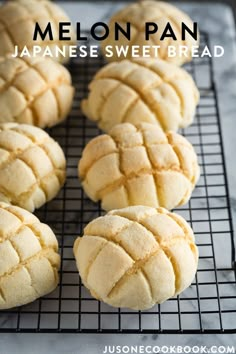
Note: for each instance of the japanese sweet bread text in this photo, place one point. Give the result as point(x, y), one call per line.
point(136, 257)
point(36, 91)
point(139, 166)
point(32, 166)
point(29, 259)
point(159, 12)
point(142, 90)
point(17, 26)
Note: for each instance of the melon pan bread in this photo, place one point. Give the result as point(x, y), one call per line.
point(17, 26)
point(139, 166)
point(29, 259)
point(161, 13)
point(136, 257)
point(36, 91)
point(141, 90)
point(32, 166)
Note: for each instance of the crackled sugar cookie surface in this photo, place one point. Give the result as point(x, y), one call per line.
point(36, 91)
point(142, 90)
point(17, 26)
point(29, 261)
point(151, 11)
point(32, 166)
point(139, 166)
point(137, 257)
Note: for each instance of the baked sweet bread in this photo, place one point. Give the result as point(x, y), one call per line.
point(32, 166)
point(29, 259)
point(161, 13)
point(136, 257)
point(17, 25)
point(142, 90)
point(35, 91)
point(139, 166)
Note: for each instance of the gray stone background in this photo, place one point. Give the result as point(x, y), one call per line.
point(231, 3)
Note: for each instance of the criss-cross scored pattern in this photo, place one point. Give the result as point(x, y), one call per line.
point(137, 257)
point(17, 24)
point(139, 166)
point(142, 90)
point(32, 166)
point(28, 87)
point(151, 11)
point(209, 304)
point(28, 257)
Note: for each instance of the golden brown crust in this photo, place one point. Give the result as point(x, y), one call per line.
point(139, 166)
point(142, 90)
point(32, 166)
point(150, 11)
point(36, 91)
point(29, 259)
point(17, 25)
point(136, 257)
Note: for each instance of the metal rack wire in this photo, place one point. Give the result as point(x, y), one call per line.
point(209, 305)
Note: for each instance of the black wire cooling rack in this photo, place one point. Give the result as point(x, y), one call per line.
point(209, 305)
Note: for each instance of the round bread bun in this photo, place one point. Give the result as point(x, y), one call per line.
point(142, 90)
point(29, 259)
point(139, 166)
point(32, 166)
point(161, 13)
point(36, 91)
point(136, 257)
point(17, 26)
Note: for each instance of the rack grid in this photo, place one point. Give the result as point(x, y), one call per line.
point(209, 305)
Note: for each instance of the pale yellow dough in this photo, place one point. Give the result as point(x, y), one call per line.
point(36, 91)
point(142, 90)
point(29, 259)
point(137, 257)
point(151, 11)
point(32, 166)
point(139, 166)
point(17, 26)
